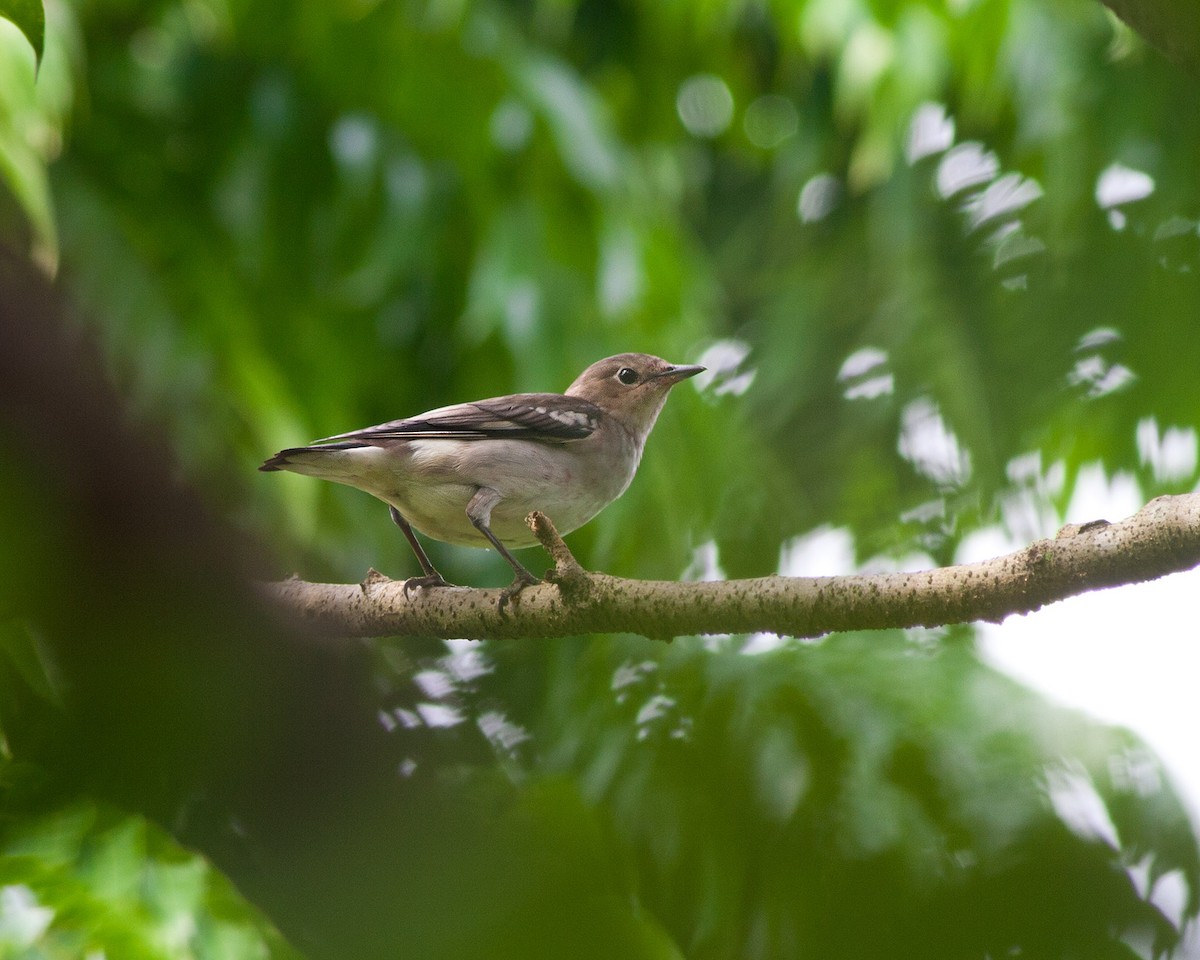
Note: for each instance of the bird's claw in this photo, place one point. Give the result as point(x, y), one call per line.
point(429, 581)
point(522, 581)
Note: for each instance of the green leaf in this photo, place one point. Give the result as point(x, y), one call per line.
point(30, 19)
point(28, 133)
point(19, 644)
point(87, 879)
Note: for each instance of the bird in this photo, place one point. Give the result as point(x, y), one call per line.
point(472, 472)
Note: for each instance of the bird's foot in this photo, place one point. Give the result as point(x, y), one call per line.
point(427, 582)
point(523, 579)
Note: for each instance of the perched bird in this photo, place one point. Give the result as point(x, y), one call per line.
point(470, 473)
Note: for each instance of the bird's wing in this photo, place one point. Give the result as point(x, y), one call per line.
point(546, 417)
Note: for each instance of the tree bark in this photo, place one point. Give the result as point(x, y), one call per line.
point(1161, 538)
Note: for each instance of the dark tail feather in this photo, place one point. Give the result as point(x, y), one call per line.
point(281, 460)
point(277, 462)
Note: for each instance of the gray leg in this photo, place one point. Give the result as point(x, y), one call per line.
point(479, 511)
point(431, 578)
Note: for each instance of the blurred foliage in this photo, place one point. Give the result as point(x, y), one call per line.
point(89, 882)
point(940, 257)
point(866, 796)
point(29, 18)
point(31, 117)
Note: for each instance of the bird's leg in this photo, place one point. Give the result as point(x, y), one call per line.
point(479, 511)
point(431, 578)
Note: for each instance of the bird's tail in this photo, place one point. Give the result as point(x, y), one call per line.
point(314, 461)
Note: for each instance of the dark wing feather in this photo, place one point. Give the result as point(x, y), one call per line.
point(546, 417)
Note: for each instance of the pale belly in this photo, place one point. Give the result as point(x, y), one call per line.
point(527, 476)
point(441, 513)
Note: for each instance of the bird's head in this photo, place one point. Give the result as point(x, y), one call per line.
point(631, 386)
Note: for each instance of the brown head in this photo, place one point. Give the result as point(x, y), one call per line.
point(632, 387)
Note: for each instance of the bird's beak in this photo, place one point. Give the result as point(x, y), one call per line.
point(675, 373)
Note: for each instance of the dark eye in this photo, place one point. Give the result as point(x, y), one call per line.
point(627, 376)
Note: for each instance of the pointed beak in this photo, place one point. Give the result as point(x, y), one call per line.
point(673, 374)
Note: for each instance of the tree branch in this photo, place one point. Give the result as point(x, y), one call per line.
point(1163, 537)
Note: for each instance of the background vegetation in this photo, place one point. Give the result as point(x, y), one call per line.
point(938, 256)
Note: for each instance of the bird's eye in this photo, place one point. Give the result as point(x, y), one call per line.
point(627, 376)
